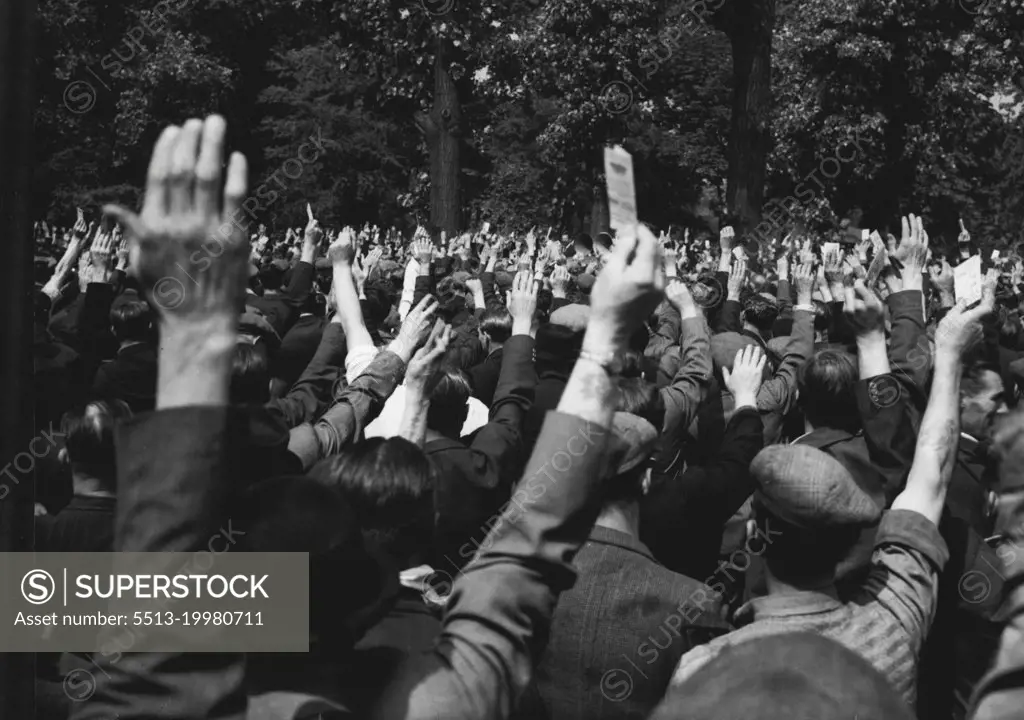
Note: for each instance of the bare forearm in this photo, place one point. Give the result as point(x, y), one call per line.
point(194, 366)
point(872, 355)
point(414, 419)
point(350, 312)
point(937, 444)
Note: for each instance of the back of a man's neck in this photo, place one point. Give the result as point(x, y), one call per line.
point(85, 484)
point(817, 584)
point(622, 518)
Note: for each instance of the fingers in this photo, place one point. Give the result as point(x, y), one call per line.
point(157, 178)
point(237, 184)
point(905, 223)
point(208, 167)
point(183, 166)
point(647, 261)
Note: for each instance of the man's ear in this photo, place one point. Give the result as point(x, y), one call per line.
point(62, 456)
point(645, 484)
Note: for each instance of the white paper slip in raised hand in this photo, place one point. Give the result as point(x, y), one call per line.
point(618, 170)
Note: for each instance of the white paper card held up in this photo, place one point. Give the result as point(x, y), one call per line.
point(618, 170)
point(967, 280)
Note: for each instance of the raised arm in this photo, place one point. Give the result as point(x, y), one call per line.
point(498, 618)
point(883, 402)
point(358, 404)
point(81, 235)
point(778, 394)
point(939, 436)
point(175, 465)
point(683, 397)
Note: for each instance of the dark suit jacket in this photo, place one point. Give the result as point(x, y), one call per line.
point(282, 308)
point(683, 516)
point(475, 478)
point(298, 347)
point(626, 617)
point(485, 377)
point(131, 377)
point(175, 470)
point(86, 524)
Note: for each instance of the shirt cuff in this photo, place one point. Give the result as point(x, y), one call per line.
point(912, 529)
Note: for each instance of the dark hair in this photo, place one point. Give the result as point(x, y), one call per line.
point(795, 554)
point(624, 488)
point(89, 433)
point(827, 390)
point(972, 381)
point(250, 374)
point(497, 323)
point(1009, 327)
point(761, 312)
point(448, 400)
point(641, 398)
point(464, 352)
point(390, 485)
point(132, 321)
point(271, 277)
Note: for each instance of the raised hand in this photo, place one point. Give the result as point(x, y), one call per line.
point(560, 282)
point(415, 328)
point(423, 252)
point(311, 237)
point(627, 290)
point(744, 380)
point(423, 368)
point(737, 279)
point(183, 216)
point(80, 227)
point(343, 250)
point(726, 238)
point(782, 267)
point(961, 329)
point(913, 250)
point(803, 277)
point(678, 293)
point(522, 302)
point(864, 311)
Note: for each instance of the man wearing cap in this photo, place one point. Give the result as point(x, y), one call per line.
point(626, 614)
point(812, 511)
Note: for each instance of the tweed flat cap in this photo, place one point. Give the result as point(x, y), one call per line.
point(724, 347)
point(789, 676)
point(633, 439)
point(808, 488)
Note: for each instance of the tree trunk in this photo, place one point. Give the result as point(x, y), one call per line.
point(599, 213)
point(749, 25)
point(442, 128)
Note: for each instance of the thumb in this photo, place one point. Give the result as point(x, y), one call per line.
point(726, 375)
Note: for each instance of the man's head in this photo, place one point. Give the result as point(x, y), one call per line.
point(629, 473)
point(250, 374)
point(132, 321)
point(583, 245)
point(389, 483)
point(449, 403)
point(271, 277)
point(495, 328)
point(826, 385)
point(761, 312)
point(89, 444)
point(982, 398)
point(811, 511)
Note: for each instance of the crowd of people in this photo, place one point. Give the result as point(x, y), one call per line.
point(641, 476)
